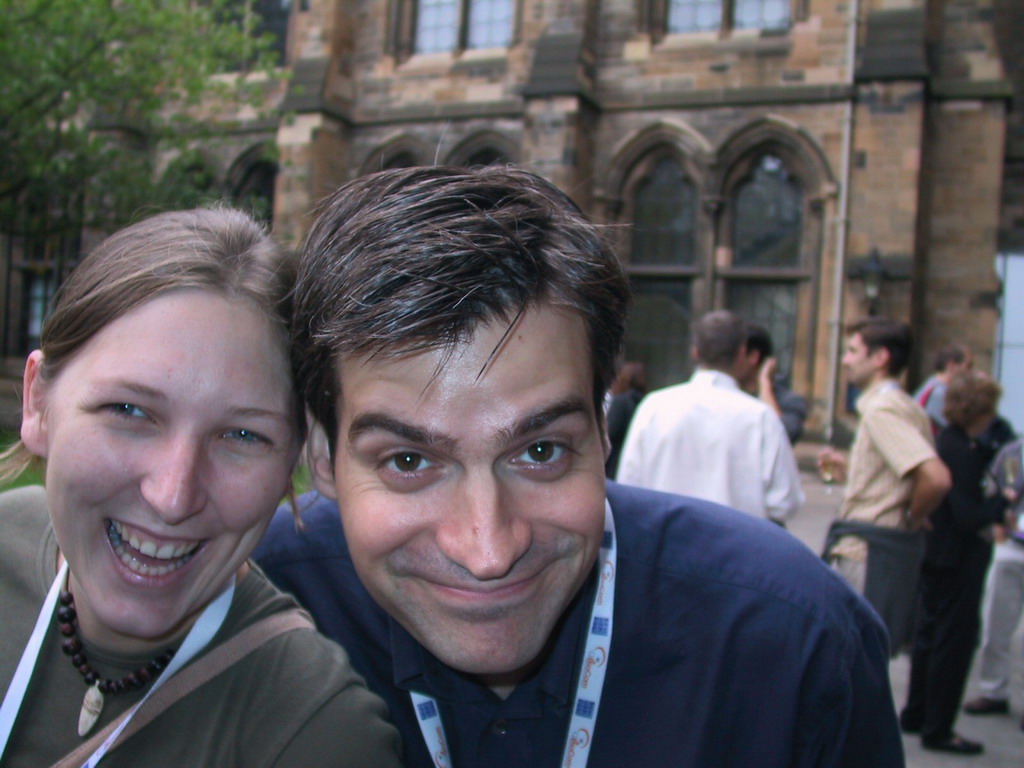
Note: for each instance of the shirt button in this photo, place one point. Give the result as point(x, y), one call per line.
point(499, 727)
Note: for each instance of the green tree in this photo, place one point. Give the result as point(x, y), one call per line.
point(94, 92)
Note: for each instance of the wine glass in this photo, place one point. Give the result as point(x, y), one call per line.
point(827, 470)
point(1011, 478)
point(1011, 472)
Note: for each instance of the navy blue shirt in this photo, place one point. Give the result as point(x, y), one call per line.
point(732, 645)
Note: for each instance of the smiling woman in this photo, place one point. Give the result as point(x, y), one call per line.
point(162, 411)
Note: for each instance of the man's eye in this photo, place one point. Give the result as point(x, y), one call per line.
point(543, 452)
point(408, 461)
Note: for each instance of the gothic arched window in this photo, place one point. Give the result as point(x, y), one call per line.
point(768, 220)
point(662, 204)
point(400, 160)
point(766, 231)
point(664, 216)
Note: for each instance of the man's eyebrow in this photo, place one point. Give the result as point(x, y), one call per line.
point(534, 422)
point(374, 421)
point(538, 421)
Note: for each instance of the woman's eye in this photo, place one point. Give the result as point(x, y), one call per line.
point(543, 452)
point(127, 410)
point(248, 440)
point(246, 436)
point(407, 461)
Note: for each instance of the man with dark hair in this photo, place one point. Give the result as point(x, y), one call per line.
point(761, 380)
point(895, 478)
point(455, 332)
point(949, 361)
point(707, 438)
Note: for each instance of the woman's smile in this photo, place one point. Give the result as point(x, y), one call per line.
point(146, 556)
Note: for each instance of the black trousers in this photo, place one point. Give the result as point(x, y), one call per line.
point(945, 638)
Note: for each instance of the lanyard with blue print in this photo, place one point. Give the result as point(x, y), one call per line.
point(591, 678)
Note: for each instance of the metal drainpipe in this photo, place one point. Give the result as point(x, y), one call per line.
point(842, 226)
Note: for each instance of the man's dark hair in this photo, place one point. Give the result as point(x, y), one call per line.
point(415, 259)
point(951, 353)
point(760, 341)
point(718, 337)
point(881, 332)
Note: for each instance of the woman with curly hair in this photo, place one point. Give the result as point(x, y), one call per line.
point(957, 555)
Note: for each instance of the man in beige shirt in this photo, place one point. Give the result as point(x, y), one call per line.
point(895, 478)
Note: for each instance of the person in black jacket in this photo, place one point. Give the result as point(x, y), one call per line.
point(957, 556)
point(763, 381)
point(627, 391)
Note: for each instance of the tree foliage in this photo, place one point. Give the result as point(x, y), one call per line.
point(93, 91)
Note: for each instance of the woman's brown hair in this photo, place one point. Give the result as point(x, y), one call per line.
point(213, 249)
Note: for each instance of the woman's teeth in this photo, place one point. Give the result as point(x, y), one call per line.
point(127, 544)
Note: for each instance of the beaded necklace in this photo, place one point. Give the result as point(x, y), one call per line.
point(198, 637)
point(92, 704)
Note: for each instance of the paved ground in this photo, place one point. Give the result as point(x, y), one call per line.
point(1001, 735)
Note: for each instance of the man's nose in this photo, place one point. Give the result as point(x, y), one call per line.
point(484, 534)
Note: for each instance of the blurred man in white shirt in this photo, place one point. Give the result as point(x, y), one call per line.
point(707, 438)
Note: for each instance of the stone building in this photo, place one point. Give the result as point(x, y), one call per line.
point(749, 154)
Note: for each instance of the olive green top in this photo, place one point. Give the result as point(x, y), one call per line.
point(295, 701)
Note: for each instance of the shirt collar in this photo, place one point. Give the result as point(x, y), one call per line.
point(415, 668)
point(713, 378)
point(873, 391)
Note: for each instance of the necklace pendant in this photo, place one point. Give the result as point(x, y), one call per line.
point(92, 705)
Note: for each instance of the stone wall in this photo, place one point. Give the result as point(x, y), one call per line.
point(578, 97)
point(936, 162)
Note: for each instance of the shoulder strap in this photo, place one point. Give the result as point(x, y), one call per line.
point(191, 677)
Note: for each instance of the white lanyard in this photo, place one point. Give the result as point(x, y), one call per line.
point(591, 679)
point(198, 637)
point(19, 684)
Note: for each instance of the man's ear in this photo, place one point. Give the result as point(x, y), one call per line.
point(319, 458)
point(742, 364)
point(33, 406)
point(880, 356)
point(606, 441)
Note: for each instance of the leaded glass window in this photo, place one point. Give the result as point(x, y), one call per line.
point(773, 305)
point(694, 15)
point(769, 217)
point(490, 23)
point(36, 259)
point(486, 156)
point(437, 26)
point(41, 288)
point(273, 19)
point(761, 14)
point(658, 329)
point(450, 25)
point(688, 16)
point(255, 190)
point(664, 216)
point(400, 160)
